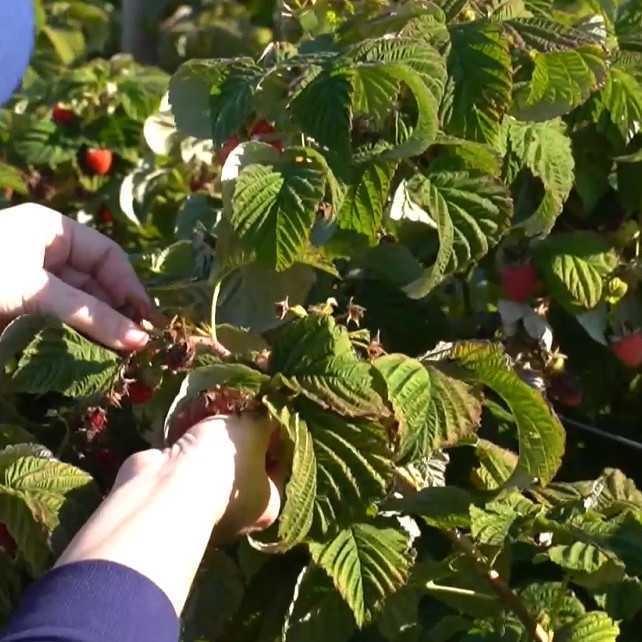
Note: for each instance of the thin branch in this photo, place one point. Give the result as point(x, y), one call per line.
point(213, 345)
point(455, 590)
point(624, 441)
point(533, 628)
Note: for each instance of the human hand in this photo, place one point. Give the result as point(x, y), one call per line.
point(49, 264)
point(158, 519)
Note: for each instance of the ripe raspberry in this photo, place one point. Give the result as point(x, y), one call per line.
point(62, 116)
point(566, 390)
point(218, 401)
point(105, 215)
point(263, 130)
point(230, 145)
point(628, 349)
point(139, 393)
point(179, 356)
point(99, 161)
point(95, 422)
point(519, 282)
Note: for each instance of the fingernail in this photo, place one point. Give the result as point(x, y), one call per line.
point(136, 337)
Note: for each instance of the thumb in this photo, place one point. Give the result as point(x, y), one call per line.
point(87, 314)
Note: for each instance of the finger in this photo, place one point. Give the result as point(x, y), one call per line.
point(272, 510)
point(89, 251)
point(85, 313)
point(85, 282)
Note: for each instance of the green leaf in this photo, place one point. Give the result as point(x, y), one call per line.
point(547, 35)
point(587, 564)
point(30, 535)
point(540, 432)
point(232, 102)
point(69, 44)
point(315, 357)
point(555, 599)
point(189, 96)
point(60, 360)
point(297, 513)
point(42, 503)
point(409, 392)
point(354, 467)
point(39, 142)
point(323, 109)
point(561, 81)
point(389, 21)
point(380, 60)
point(274, 207)
point(375, 92)
point(496, 465)
point(12, 178)
point(623, 600)
point(387, 62)
point(318, 613)
point(248, 296)
point(366, 197)
point(480, 66)
point(545, 150)
point(472, 212)
point(200, 380)
point(427, 125)
point(490, 525)
point(433, 410)
point(574, 267)
point(220, 582)
point(367, 562)
point(591, 627)
point(441, 507)
point(213, 98)
point(622, 97)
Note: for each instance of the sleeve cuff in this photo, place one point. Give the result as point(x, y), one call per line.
point(94, 601)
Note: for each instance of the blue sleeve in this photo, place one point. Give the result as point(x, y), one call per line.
point(94, 601)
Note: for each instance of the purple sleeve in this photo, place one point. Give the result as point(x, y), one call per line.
point(94, 601)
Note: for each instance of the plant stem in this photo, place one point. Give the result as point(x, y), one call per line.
point(534, 630)
point(214, 345)
point(215, 294)
point(65, 440)
point(455, 590)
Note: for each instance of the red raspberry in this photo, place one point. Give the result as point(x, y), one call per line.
point(62, 116)
point(99, 161)
point(139, 393)
point(264, 130)
point(628, 349)
point(519, 282)
point(230, 145)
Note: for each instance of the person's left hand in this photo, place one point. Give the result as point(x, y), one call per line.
point(49, 264)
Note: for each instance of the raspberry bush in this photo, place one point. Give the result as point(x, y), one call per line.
point(407, 234)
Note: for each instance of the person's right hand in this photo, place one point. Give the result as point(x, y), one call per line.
point(50, 264)
point(158, 519)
